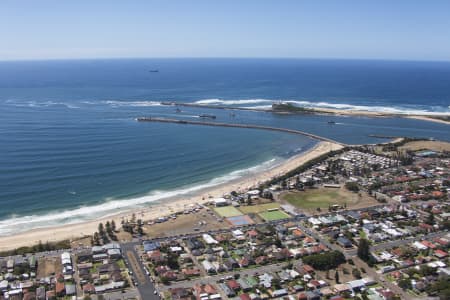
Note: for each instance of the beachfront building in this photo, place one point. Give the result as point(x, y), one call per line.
point(218, 202)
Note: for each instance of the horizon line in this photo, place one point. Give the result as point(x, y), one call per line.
point(219, 57)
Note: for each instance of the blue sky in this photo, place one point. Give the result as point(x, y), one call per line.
point(391, 29)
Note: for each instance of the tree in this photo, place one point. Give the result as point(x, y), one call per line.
point(40, 246)
point(325, 261)
point(96, 239)
point(364, 249)
point(139, 227)
point(430, 219)
point(172, 261)
point(336, 276)
point(100, 228)
point(356, 273)
point(278, 243)
point(405, 284)
point(113, 225)
point(446, 224)
point(352, 186)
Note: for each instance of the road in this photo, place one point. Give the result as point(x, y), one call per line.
point(380, 278)
point(145, 287)
point(318, 237)
point(370, 271)
point(213, 279)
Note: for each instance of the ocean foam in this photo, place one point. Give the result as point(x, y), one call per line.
point(33, 103)
point(16, 224)
point(118, 103)
point(233, 102)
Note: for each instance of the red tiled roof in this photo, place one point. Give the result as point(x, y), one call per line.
point(233, 284)
point(440, 253)
point(245, 297)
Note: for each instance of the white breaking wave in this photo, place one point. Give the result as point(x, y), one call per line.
point(381, 109)
point(264, 107)
point(33, 103)
point(110, 207)
point(116, 103)
point(340, 106)
point(233, 102)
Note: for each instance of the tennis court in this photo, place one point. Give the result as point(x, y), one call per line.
point(240, 220)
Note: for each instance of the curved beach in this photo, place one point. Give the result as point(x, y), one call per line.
point(169, 206)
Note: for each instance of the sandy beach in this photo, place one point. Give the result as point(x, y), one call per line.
point(169, 206)
point(366, 113)
point(426, 118)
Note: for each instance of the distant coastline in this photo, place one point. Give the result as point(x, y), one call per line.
point(441, 118)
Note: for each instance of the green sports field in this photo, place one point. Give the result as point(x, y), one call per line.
point(273, 215)
point(227, 211)
point(318, 198)
point(310, 200)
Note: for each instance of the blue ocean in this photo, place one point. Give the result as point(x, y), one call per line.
point(71, 149)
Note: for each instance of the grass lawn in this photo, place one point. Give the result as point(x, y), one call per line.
point(227, 211)
point(323, 197)
point(315, 198)
point(273, 215)
point(258, 208)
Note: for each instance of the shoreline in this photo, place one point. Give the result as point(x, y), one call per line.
point(374, 114)
point(429, 119)
point(164, 207)
point(319, 110)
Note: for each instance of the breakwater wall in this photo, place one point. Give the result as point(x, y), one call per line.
point(251, 126)
point(223, 107)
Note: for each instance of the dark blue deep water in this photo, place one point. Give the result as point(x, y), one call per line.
point(71, 150)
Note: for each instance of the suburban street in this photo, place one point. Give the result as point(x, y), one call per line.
point(145, 287)
point(212, 279)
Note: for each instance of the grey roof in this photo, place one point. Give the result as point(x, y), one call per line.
point(70, 289)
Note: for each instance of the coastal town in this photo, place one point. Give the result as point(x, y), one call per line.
point(356, 222)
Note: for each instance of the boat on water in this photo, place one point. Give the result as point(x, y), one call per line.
point(331, 122)
point(154, 71)
point(206, 116)
point(177, 110)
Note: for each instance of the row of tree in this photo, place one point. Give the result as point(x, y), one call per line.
point(133, 226)
point(105, 233)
